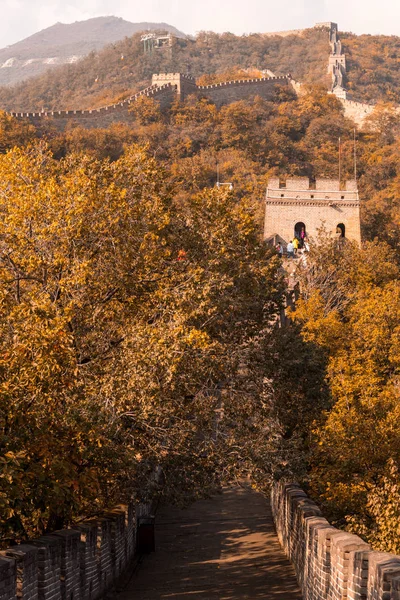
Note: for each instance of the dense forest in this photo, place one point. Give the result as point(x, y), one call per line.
point(373, 72)
point(139, 309)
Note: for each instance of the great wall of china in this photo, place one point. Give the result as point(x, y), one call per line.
point(167, 86)
point(330, 564)
point(337, 68)
point(83, 563)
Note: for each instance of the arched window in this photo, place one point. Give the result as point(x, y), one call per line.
point(340, 230)
point(300, 233)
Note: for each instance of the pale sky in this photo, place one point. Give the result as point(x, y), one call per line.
point(20, 18)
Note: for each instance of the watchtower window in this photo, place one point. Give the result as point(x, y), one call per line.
point(312, 196)
point(341, 230)
point(282, 195)
point(342, 197)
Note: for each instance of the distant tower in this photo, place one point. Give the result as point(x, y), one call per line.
point(155, 41)
point(292, 207)
point(337, 63)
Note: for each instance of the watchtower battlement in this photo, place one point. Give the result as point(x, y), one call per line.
point(224, 92)
point(305, 189)
point(184, 84)
point(160, 78)
point(300, 204)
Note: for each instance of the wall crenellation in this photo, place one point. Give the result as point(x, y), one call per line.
point(298, 203)
point(330, 564)
point(246, 82)
point(165, 88)
point(81, 563)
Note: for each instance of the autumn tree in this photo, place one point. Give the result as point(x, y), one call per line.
point(350, 311)
point(14, 132)
point(126, 319)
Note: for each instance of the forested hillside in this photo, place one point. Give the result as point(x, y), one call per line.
point(61, 44)
point(373, 67)
point(123, 68)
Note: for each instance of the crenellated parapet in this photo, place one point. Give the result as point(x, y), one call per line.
point(245, 82)
point(149, 91)
point(83, 562)
point(330, 564)
point(224, 92)
point(165, 88)
point(103, 116)
point(243, 89)
point(300, 204)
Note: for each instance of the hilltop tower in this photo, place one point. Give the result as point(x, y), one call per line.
point(337, 63)
point(297, 205)
point(185, 85)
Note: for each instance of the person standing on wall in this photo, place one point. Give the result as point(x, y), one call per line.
point(302, 237)
point(290, 250)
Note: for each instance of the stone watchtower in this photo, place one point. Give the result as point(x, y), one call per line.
point(297, 205)
point(184, 85)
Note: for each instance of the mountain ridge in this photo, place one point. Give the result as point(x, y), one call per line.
point(67, 43)
point(123, 68)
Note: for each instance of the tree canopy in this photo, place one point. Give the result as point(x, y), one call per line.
point(139, 311)
point(128, 318)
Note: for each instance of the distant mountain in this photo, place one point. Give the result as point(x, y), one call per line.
point(66, 44)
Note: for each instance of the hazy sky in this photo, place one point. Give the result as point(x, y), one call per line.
point(20, 18)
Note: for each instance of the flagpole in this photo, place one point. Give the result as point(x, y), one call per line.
point(355, 155)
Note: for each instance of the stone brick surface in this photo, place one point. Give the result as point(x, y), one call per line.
point(165, 88)
point(330, 564)
point(326, 206)
point(82, 563)
point(26, 559)
point(8, 577)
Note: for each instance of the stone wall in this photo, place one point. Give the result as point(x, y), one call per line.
point(285, 33)
point(81, 563)
point(100, 117)
point(165, 88)
point(325, 204)
point(357, 111)
point(232, 91)
point(330, 564)
point(221, 93)
point(337, 63)
point(183, 84)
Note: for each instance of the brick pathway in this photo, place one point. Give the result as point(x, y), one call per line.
point(224, 548)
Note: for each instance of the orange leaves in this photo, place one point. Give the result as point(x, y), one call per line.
point(121, 310)
point(351, 310)
point(325, 330)
point(146, 111)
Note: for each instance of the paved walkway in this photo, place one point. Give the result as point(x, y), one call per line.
point(224, 548)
